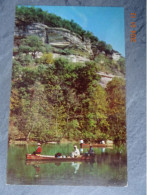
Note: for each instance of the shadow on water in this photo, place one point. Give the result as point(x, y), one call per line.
point(108, 168)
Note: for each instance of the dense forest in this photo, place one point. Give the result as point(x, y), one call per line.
point(53, 99)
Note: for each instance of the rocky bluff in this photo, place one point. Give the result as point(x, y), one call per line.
point(62, 39)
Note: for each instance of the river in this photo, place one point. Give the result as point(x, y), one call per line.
point(108, 169)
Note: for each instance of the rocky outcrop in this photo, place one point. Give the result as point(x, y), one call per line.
point(64, 41)
point(72, 58)
point(32, 29)
point(60, 39)
point(116, 56)
point(105, 78)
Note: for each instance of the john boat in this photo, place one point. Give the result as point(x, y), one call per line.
point(96, 145)
point(32, 157)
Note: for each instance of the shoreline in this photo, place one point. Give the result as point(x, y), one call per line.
point(24, 142)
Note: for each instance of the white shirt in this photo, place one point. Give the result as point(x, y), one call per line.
point(81, 141)
point(77, 152)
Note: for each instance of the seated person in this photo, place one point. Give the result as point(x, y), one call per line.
point(58, 155)
point(81, 143)
point(76, 152)
point(91, 151)
point(103, 142)
point(38, 150)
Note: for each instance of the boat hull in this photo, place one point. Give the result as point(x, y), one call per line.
point(31, 157)
point(96, 145)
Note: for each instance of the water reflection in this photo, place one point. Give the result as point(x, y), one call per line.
point(36, 166)
point(76, 166)
point(37, 170)
point(57, 164)
point(107, 168)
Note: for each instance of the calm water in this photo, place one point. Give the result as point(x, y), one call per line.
point(108, 169)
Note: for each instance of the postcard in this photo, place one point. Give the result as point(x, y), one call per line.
point(67, 122)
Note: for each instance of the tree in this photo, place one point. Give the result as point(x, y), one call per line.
point(98, 108)
point(31, 44)
point(121, 63)
point(15, 102)
point(35, 114)
point(86, 76)
point(102, 45)
point(117, 110)
point(108, 49)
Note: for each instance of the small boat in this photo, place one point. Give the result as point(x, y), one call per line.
point(96, 145)
point(53, 158)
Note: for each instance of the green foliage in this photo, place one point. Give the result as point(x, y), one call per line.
point(31, 44)
point(117, 112)
point(107, 65)
point(24, 59)
point(16, 71)
point(64, 100)
point(90, 36)
point(47, 58)
point(54, 99)
point(108, 49)
point(14, 102)
point(87, 75)
point(102, 45)
point(121, 63)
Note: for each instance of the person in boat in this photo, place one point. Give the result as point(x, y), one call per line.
point(81, 146)
point(38, 150)
point(103, 142)
point(81, 150)
point(58, 155)
point(76, 152)
point(81, 142)
point(91, 151)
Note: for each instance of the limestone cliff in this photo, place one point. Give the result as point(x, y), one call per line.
point(60, 39)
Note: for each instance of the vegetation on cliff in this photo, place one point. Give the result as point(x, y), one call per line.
point(29, 15)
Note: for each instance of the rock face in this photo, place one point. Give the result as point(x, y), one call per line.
point(116, 56)
point(60, 39)
point(57, 37)
point(32, 29)
point(105, 78)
